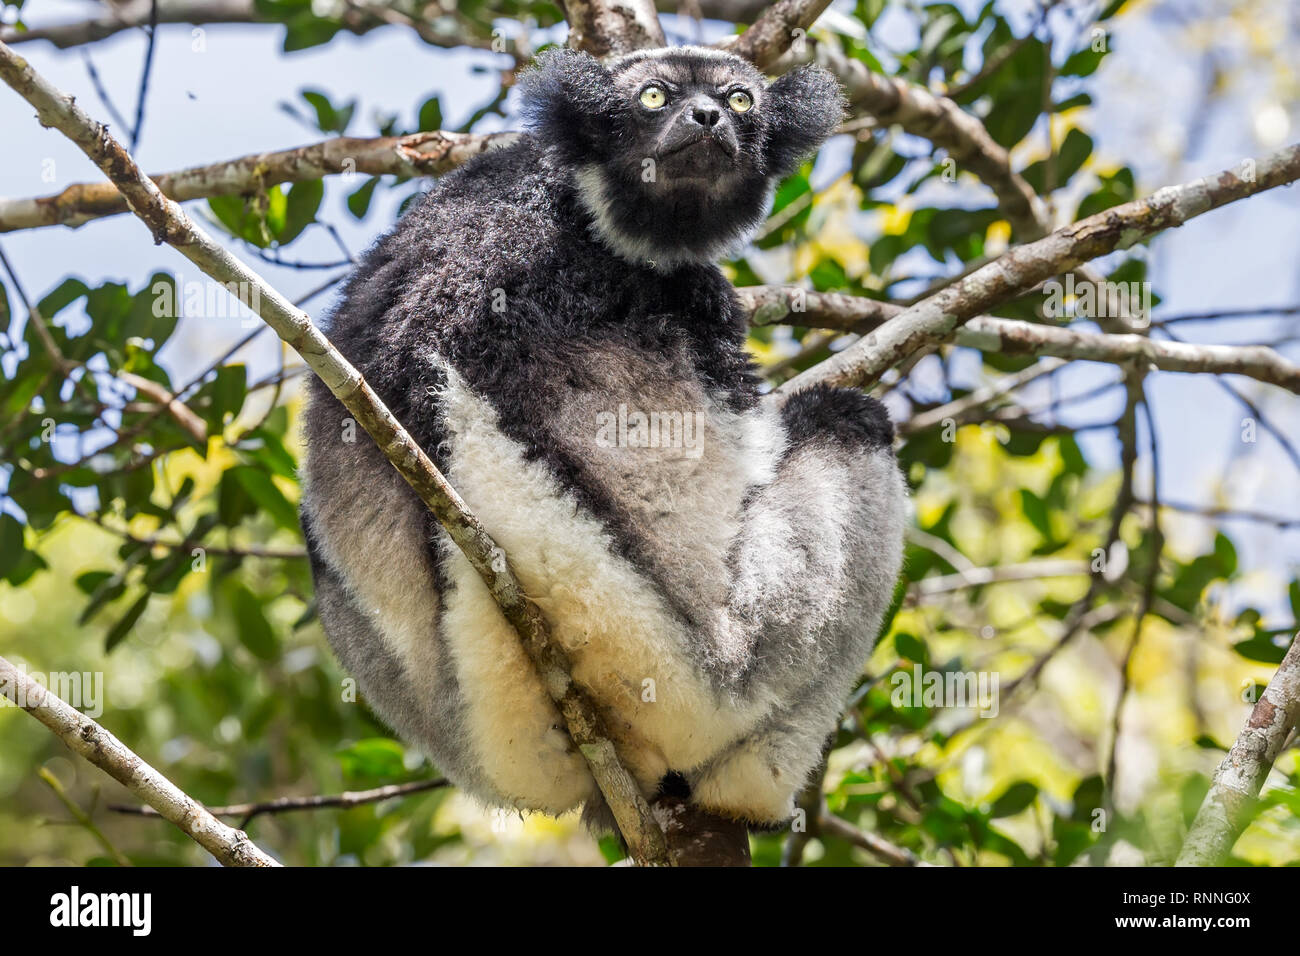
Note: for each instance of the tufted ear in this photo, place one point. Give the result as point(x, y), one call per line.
point(571, 106)
point(803, 109)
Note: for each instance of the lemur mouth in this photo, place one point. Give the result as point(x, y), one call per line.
point(703, 139)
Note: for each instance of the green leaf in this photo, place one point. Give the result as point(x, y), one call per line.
point(1074, 152)
point(1034, 508)
point(911, 648)
point(359, 201)
point(227, 392)
point(374, 757)
point(308, 30)
point(1225, 554)
point(118, 632)
point(1016, 798)
point(1264, 647)
point(1088, 796)
point(11, 544)
point(248, 220)
point(1084, 62)
point(1114, 189)
point(89, 581)
point(300, 208)
point(154, 311)
point(1072, 460)
point(266, 449)
point(269, 498)
point(430, 116)
point(66, 293)
point(254, 630)
point(329, 118)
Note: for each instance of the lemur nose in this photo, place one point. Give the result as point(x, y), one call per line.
point(706, 115)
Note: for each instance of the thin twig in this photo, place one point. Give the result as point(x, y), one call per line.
point(348, 798)
point(94, 743)
point(144, 76)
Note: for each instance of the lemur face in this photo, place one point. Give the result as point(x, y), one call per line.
point(696, 119)
point(675, 152)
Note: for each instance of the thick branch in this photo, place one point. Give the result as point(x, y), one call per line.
point(1226, 808)
point(938, 317)
point(356, 18)
point(776, 30)
point(129, 16)
point(833, 310)
point(90, 740)
point(418, 154)
point(611, 27)
point(169, 224)
point(135, 14)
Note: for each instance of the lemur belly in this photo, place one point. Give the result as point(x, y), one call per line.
point(627, 642)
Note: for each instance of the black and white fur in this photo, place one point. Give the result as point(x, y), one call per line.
point(718, 603)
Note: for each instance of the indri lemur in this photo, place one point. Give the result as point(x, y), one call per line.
point(550, 325)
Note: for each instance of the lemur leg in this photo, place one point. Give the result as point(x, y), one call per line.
point(378, 590)
point(408, 616)
point(815, 569)
point(426, 712)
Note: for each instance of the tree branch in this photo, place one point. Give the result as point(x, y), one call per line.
point(610, 27)
point(773, 33)
point(348, 798)
point(357, 18)
point(960, 408)
point(996, 574)
point(791, 305)
point(1238, 780)
point(168, 223)
point(181, 413)
point(828, 824)
point(938, 318)
point(90, 740)
point(417, 154)
point(135, 13)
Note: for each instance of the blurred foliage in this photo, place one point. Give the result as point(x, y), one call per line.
point(171, 562)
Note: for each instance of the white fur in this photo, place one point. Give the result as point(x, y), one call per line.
point(367, 537)
point(612, 622)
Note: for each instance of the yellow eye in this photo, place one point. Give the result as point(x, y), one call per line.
point(740, 101)
point(653, 97)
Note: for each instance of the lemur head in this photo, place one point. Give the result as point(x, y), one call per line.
point(675, 152)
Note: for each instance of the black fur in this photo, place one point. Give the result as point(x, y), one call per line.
point(510, 278)
point(675, 785)
point(674, 186)
point(509, 221)
point(822, 413)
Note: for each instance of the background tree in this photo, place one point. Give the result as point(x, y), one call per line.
point(149, 531)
